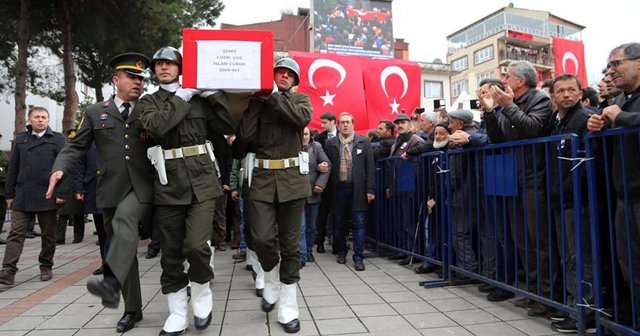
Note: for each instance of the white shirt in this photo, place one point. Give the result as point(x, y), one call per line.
point(119, 103)
point(38, 134)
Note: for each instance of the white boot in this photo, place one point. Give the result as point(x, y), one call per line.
point(177, 320)
point(288, 308)
point(272, 285)
point(202, 304)
point(260, 281)
point(251, 257)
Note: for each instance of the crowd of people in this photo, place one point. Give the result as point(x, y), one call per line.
point(174, 157)
point(367, 31)
point(513, 108)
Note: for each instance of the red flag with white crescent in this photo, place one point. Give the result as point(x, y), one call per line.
point(391, 86)
point(334, 84)
point(569, 58)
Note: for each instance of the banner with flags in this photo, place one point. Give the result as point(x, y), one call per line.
point(370, 89)
point(334, 84)
point(391, 86)
point(569, 58)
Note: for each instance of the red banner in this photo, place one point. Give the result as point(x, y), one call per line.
point(334, 84)
point(391, 86)
point(569, 58)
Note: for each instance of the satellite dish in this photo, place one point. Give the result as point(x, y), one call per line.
point(437, 61)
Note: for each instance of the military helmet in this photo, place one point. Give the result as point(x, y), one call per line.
point(167, 54)
point(290, 64)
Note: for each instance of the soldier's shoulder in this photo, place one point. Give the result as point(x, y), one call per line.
point(99, 106)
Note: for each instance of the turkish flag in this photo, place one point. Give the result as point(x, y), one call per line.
point(334, 84)
point(569, 58)
point(391, 86)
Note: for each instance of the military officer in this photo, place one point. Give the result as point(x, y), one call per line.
point(125, 181)
point(278, 188)
point(180, 121)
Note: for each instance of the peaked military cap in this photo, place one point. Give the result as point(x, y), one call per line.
point(133, 63)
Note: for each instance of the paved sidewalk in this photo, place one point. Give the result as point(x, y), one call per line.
point(334, 299)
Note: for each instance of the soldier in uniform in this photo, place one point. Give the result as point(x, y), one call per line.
point(125, 181)
point(278, 188)
point(181, 121)
point(33, 154)
point(4, 163)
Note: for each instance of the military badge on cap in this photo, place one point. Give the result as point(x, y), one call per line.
point(133, 63)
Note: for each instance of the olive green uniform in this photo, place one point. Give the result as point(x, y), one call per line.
point(277, 195)
point(124, 185)
point(186, 203)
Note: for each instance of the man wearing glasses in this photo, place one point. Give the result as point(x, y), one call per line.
point(624, 69)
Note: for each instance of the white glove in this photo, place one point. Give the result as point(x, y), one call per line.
point(205, 94)
point(186, 94)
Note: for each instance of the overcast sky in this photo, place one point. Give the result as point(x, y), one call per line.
point(426, 24)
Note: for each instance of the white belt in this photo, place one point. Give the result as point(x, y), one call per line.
point(183, 152)
point(278, 163)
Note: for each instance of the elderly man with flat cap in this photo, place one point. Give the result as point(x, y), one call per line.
point(125, 181)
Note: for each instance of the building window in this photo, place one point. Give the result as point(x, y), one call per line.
point(460, 64)
point(432, 89)
point(483, 76)
point(483, 55)
point(459, 87)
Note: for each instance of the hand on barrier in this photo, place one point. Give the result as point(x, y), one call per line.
point(186, 94)
point(404, 156)
point(595, 123)
point(611, 112)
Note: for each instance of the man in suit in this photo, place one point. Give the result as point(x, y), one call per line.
point(323, 222)
point(351, 187)
point(125, 181)
point(33, 153)
point(279, 188)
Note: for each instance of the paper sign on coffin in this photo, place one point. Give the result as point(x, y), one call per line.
point(230, 60)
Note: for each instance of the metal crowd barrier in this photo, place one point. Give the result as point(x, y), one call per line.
point(402, 222)
point(539, 218)
point(615, 229)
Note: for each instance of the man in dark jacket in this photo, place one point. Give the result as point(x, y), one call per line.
point(405, 216)
point(351, 187)
point(385, 134)
point(623, 68)
point(34, 152)
point(324, 222)
point(570, 117)
point(125, 181)
point(4, 164)
point(522, 112)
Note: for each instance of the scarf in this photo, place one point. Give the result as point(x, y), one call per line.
point(345, 156)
